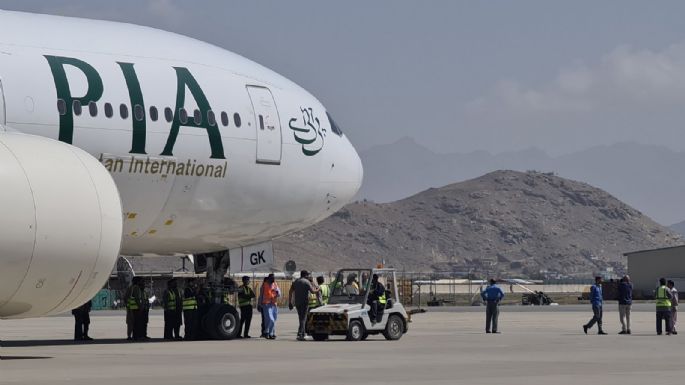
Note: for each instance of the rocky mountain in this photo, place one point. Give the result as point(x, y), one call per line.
point(644, 176)
point(506, 222)
point(678, 228)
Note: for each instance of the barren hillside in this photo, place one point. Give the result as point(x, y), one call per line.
point(506, 222)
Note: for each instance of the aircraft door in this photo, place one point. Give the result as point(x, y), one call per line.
point(2, 108)
point(267, 124)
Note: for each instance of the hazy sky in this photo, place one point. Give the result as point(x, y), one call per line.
point(454, 75)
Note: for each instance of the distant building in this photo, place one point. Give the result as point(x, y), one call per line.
point(647, 266)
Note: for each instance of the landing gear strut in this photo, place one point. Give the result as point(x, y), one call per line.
point(219, 319)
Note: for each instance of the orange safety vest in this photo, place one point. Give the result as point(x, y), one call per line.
point(269, 293)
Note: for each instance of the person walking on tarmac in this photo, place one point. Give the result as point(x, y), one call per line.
point(173, 306)
point(190, 310)
point(492, 295)
point(376, 300)
point(245, 296)
point(625, 302)
point(270, 294)
point(324, 291)
point(663, 307)
point(597, 301)
point(674, 305)
point(82, 321)
point(300, 291)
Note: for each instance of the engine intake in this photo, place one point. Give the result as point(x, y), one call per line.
point(60, 226)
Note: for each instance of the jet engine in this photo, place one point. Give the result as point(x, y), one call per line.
point(60, 226)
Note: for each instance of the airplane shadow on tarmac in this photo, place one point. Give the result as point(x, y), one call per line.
point(8, 358)
point(104, 341)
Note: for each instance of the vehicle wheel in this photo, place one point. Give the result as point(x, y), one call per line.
point(320, 337)
point(221, 322)
point(355, 331)
point(394, 328)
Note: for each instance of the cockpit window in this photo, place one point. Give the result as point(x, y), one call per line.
point(334, 127)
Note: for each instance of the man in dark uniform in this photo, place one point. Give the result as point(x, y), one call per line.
point(137, 304)
point(376, 300)
point(82, 322)
point(173, 306)
point(245, 296)
point(190, 310)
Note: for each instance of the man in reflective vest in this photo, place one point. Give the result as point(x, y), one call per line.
point(190, 310)
point(663, 298)
point(136, 303)
point(324, 291)
point(173, 306)
point(376, 300)
point(674, 305)
point(245, 296)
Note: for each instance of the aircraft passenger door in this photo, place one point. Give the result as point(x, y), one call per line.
point(2, 108)
point(267, 124)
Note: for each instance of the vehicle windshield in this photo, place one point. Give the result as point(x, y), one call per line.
point(350, 286)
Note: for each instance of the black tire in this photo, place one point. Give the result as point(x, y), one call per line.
point(355, 331)
point(222, 322)
point(394, 328)
point(365, 335)
point(320, 337)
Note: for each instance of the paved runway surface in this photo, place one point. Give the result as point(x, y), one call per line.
point(445, 347)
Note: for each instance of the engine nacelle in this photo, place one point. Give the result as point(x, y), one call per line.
point(60, 226)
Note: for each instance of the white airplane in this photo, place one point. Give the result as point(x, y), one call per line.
point(121, 139)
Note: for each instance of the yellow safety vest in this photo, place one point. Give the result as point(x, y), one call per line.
point(132, 301)
point(246, 297)
point(190, 303)
point(313, 300)
point(325, 293)
point(171, 303)
point(662, 298)
point(382, 299)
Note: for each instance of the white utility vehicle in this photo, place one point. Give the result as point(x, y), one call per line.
point(348, 310)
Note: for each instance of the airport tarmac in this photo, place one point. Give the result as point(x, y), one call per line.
point(537, 345)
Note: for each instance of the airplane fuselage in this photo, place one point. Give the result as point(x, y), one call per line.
point(121, 139)
point(203, 144)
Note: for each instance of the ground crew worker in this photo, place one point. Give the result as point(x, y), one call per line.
point(245, 296)
point(674, 305)
point(136, 303)
point(129, 312)
point(324, 290)
point(190, 310)
point(270, 294)
point(376, 300)
point(663, 307)
point(260, 309)
point(298, 296)
point(597, 300)
point(492, 296)
point(145, 308)
point(82, 321)
point(173, 307)
point(314, 298)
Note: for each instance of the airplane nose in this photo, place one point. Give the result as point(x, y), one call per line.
point(359, 170)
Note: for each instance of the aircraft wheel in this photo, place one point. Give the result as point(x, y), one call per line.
point(222, 322)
